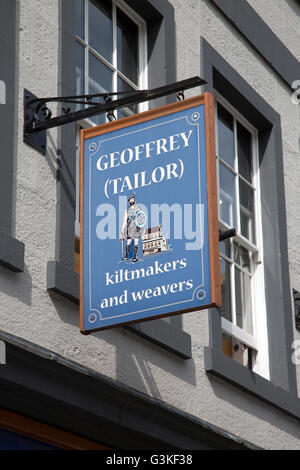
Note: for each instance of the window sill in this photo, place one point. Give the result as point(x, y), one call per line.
point(65, 282)
point(11, 253)
point(218, 364)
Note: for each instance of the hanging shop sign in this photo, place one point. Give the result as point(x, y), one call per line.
point(148, 216)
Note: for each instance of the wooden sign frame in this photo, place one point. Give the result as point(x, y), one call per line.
point(207, 100)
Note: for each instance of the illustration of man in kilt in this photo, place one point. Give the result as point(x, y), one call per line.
point(133, 227)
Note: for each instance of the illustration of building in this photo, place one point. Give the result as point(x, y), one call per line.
point(154, 241)
point(210, 379)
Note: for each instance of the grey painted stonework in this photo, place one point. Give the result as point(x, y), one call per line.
point(219, 365)
point(11, 250)
point(11, 253)
point(262, 38)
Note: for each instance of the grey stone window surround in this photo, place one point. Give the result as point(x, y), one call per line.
point(61, 277)
point(281, 390)
point(261, 37)
point(11, 249)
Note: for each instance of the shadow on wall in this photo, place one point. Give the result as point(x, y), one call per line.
point(135, 358)
point(51, 155)
point(17, 286)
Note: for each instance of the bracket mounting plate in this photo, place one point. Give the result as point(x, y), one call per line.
point(38, 140)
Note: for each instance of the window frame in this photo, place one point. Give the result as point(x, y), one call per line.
point(258, 340)
point(142, 39)
point(142, 74)
point(253, 247)
point(220, 75)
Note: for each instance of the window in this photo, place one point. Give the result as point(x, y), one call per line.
point(111, 46)
point(111, 50)
point(271, 291)
point(243, 306)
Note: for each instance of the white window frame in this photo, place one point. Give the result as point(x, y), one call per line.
point(142, 74)
point(258, 341)
point(143, 67)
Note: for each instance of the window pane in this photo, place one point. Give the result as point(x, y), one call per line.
point(225, 248)
point(100, 81)
point(244, 139)
point(79, 71)
point(227, 203)
point(227, 344)
point(225, 289)
point(243, 301)
point(100, 27)
point(247, 211)
point(238, 298)
point(127, 46)
point(123, 86)
point(241, 257)
point(80, 18)
point(245, 259)
point(247, 303)
point(225, 136)
point(236, 253)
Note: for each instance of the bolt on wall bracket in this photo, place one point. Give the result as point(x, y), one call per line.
point(37, 140)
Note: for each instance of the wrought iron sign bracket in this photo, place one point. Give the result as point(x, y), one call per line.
point(228, 234)
point(38, 116)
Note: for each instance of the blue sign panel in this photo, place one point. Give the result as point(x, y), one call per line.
point(146, 222)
